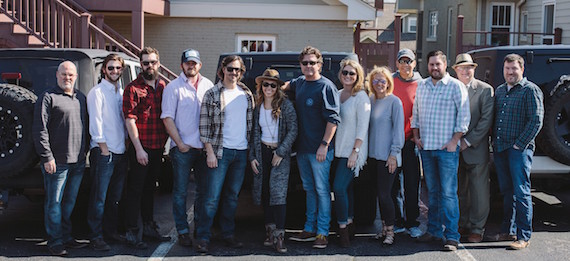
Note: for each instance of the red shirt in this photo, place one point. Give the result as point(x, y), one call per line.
point(142, 102)
point(406, 91)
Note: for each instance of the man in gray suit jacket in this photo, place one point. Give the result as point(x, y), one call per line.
point(473, 176)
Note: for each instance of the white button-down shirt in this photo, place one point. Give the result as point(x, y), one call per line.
point(181, 101)
point(106, 121)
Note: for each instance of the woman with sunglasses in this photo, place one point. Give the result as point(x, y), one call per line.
point(386, 142)
point(351, 144)
point(274, 132)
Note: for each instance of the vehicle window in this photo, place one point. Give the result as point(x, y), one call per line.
point(37, 74)
point(127, 77)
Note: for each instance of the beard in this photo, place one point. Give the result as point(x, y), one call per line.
point(112, 78)
point(436, 75)
point(150, 75)
point(190, 73)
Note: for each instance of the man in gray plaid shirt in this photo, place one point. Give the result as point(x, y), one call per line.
point(225, 128)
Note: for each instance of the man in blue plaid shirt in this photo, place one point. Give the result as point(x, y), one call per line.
point(440, 117)
point(518, 119)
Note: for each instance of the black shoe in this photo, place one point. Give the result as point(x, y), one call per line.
point(427, 238)
point(450, 245)
point(74, 244)
point(99, 245)
point(185, 240)
point(133, 241)
point(116, 238)
point(57, 250)
point(202, 247)
point(232, 242)
point(150, 232)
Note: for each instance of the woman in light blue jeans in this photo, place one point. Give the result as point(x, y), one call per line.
point(351, 144)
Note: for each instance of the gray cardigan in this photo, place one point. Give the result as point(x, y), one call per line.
point(279, 177)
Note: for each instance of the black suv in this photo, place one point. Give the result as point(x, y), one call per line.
point(287, 63)
point(548, 67)
point(25, 74)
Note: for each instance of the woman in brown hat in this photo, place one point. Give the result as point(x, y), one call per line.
point(274, 132)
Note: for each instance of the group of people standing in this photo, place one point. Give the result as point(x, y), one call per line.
point(388, 120)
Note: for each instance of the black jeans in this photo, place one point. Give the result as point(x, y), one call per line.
point(141, 180)
point(385, 181)
point(405, 192)
point(272, 214)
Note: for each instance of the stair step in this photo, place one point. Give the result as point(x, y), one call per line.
point(18, 29)
point(5, 19)
point(33, 40)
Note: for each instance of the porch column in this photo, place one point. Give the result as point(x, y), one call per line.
point(137, 28)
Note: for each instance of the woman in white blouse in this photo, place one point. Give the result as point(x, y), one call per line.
point(351, 144)
point(386, 142)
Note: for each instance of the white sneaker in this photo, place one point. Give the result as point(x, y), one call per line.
point(398, 230)
point(415, 232)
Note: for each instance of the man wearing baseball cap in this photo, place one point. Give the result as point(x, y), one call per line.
point(473, 175)
point(406, 186)
point(181, 103)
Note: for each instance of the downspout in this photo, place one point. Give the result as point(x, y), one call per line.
point(517, 19)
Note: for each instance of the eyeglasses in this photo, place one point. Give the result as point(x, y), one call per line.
point(305, 63)
point(377, 81)
point(110, 68)
point(345, 73)
point(405, 61)
point(233, 69)
point(146, 63)
point(465, 67)
point(266, 84)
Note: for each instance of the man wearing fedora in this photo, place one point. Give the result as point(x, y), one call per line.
point(440, 117)
point(181, 103)
point(226, 120)
point(473, 175)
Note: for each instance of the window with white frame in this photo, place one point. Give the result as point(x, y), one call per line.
point(548, 23)
point(412, 24)
point(255, 43)
point(432, 25)
point(524, 25)
point(501, 23)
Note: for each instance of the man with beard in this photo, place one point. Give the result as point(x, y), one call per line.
point(406, 186)
point(440, 117)
point(473, 177)
point(142, 99)
point(519, 113)
point(226, 120)
point(107, 158)
point(181, 103)
point(60, 137)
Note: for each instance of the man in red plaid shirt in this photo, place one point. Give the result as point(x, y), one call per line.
point(142, 99)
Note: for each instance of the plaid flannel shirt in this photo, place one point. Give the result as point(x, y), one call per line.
point(518, 115)
point(212, 115)
point(143, 103)
point(440, 111)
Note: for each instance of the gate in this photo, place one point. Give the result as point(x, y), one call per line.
point(379, 53)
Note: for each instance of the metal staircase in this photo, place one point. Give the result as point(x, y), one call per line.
point(60, 24)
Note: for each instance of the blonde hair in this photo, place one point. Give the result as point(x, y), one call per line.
point(359, 84)
point(385, 71)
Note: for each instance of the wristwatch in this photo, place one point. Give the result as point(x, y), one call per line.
point(357, 150)
point(324, 142)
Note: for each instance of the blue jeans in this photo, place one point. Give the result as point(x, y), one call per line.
point(513, 173)
point(315, 177)
point(182, 163)
point(343, 187)
point(440, 171)
point(108, 175)
point(61, 190)
point(228, 175)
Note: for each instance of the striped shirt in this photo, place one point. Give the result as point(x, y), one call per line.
point(212, 114)
point(440, 111)
point(518, 115)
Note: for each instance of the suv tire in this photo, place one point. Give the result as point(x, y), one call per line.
point(554, 139)
point(16, 144)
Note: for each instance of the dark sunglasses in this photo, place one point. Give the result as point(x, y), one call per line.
point(405, 61)
point(345, 73)
point(266, 84)
point(146, 63)
point(233, 69)
point(377, 81)
point(305, 63)
point(110, 68)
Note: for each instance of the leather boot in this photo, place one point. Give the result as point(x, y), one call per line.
point(344, 237)
point(269, 229)
point(279, 243)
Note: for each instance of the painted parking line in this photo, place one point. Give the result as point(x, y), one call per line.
point(162, 250)
point(464, 254)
